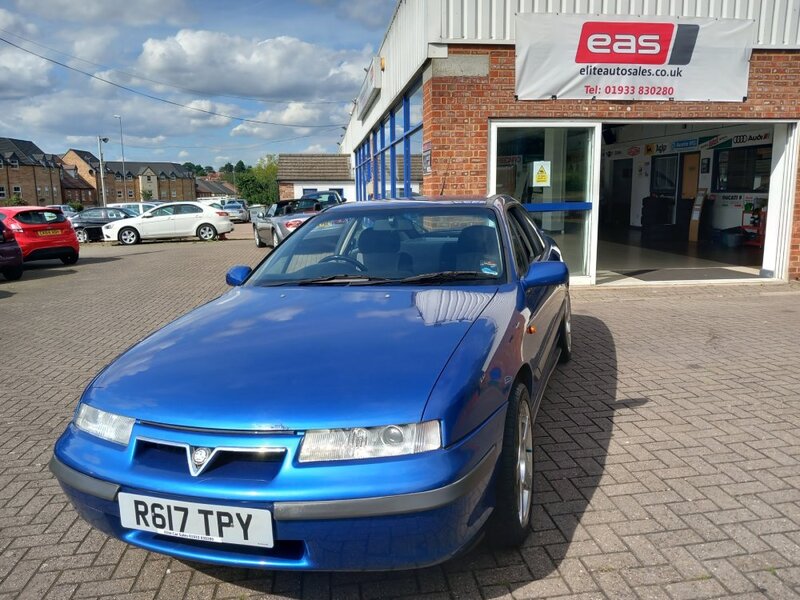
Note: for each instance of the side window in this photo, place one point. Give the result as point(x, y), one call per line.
point(531, 231)
point(523, 254)
point(187, 209)
point(272, 209)
point(164, 212)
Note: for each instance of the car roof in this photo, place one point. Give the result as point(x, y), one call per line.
point(497, 201)
point(18, 209)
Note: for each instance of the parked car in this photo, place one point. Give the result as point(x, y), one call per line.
point(254, 209)
point(10, 255)
point(237, 211)
point(454, 314)
point(326, 198)
point(282, 218)
point(173, 220)
point(88, 224)
point(137, 208)
point(68, 211)
point(42, 233)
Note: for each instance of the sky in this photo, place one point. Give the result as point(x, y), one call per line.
point(280, 74)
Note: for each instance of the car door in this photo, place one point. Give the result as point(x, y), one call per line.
point(187, 218)
point(265, 226)
point(93, 218)
point(158, 222)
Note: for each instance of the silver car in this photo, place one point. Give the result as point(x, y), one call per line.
point(282, 218)
point(237, 211)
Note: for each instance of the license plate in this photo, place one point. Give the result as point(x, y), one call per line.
point(196, 521)
point(45, 232)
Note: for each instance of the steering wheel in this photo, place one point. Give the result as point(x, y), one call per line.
point(342, 258)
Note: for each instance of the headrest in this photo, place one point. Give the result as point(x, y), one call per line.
point(379, 241)
point(477, 238)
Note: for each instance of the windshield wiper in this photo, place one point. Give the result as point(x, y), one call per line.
point(347, 279)
point(444, 276)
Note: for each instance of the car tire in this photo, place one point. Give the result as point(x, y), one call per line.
point(275, 240)
point(70, 259)
point(509, 524)
point(12, 273)
point(206, 232)
point(565, 334)
point(82, 235)
point(259, 243)
point(128, 236)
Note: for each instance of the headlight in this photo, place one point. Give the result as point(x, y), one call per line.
point(370, 442)
point(106, 425)
point(108, 226)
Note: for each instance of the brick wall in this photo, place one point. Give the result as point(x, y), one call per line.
point(39, 185)
point(285, 190)
point(457, 110)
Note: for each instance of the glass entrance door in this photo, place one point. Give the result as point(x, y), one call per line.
point(553, 170)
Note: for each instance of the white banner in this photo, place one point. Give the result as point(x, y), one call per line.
point(579, 57)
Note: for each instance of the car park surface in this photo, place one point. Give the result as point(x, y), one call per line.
point(666, 458)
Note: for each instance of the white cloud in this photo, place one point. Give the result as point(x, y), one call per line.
point(296, 115)
point(315, 149)
point(21, 74)
point(370, 13)
point(130, 12)
point(90, 44)
point(183, 154)
point(283, 68)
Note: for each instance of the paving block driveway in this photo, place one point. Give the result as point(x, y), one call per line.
point(667, 452)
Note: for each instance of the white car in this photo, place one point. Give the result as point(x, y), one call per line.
point(173, 220)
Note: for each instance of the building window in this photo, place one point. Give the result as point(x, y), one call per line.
point(742, 170)
point(172, 178)
point(17, 190)
point(309, 191)
point(148, 178)
point(119, 193)
point(162, 177)
point(1, 162)
point(174, 194)
point(2, 191)
point(117, 177)
point(14, 163)
point(389, 160)
point(130, 193)
point(129, 177)
point(46, 189)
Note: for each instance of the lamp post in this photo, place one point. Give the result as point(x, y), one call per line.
point(100, 142)
point(122, 145)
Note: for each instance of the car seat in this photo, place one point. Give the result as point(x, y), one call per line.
point(477, 250)
point(380, 252)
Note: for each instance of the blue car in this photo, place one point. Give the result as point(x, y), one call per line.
point(408, 345)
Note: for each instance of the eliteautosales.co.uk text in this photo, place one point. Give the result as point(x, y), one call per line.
point(630, 71)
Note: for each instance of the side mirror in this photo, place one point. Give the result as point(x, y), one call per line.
point(552, 272)
point(261, 215)
point(344, 200)
point(236, 275)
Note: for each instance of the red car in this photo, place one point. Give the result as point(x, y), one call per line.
point(42, 233)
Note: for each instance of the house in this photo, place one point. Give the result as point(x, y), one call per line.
point(206, 188)
point(300, 174)
point(169, 182)
point(75, 188)
point(29, 173)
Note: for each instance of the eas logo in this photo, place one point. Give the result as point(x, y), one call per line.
point(635, 43)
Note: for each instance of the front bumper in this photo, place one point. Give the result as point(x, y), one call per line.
point(313, 530)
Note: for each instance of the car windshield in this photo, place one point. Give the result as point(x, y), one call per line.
point(420, 245)
point(237, 205)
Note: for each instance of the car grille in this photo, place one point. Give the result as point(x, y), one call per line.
point(231, 464)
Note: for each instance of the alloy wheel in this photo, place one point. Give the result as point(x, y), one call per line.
point(524, 464)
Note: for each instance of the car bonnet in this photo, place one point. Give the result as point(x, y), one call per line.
point(306, 357)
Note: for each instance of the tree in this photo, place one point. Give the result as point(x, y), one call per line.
point(15, 200)
point(259, 184)
point(226, 168)
point(209, 169)
point(240, 168)
point(147, 195)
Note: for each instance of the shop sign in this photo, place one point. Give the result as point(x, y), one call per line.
point(427, 168)
point(541, 173)
point(747, 139)
point(370, 88)
point(684, 144)
point(632, 58)
point(634, 151)
point(651, 149)
point(512, 160)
